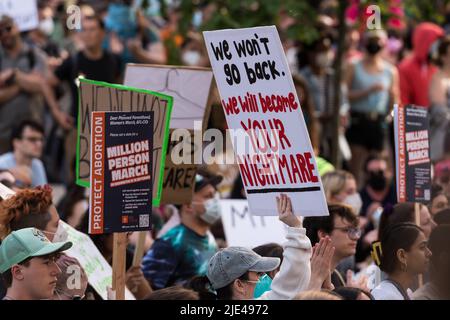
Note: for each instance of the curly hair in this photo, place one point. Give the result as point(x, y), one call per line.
point(27, 208)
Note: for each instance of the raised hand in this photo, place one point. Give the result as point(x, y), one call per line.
point(285, 213)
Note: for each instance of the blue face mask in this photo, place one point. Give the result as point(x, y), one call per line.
point(264, 284)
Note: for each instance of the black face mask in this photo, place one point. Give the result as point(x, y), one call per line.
point(377, 180)
point(373, 47)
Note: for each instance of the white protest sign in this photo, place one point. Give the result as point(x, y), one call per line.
point(188, 86)
point(268, 131)
point(5, 192)
point(24, 13)
point(98, 270)
point(244, 229)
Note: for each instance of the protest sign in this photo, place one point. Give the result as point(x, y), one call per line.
point(190, 88)
point(121, 180)
point(24, 13)
point(179, 178)
point(98, 270)
point(412, 153)
point(101, 96)
point(245, 229)
point(269, 135)
point(5, 192)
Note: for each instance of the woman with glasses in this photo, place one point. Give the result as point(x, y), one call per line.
point(404, 255)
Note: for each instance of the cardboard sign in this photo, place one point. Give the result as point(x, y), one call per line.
point(101, 96)
point(189, 87)
point(243, 228)
point(24, 13)
point(269, 135)
point(98, 270)
point(121, 180)
point(412, 154)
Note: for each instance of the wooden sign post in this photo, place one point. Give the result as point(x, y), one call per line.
point(417, 218)
point(119, 250)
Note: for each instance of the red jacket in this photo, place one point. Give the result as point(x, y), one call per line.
point(415, 71)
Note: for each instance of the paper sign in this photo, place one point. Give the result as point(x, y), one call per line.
point(98, 270)
point(121, 180)
point(412, 153)
point(268, 131)
point(242, 228)
point(24, 13)
point(101, 96)
point(188, 86)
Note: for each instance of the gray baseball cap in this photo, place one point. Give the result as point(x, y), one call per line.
point(231, 263)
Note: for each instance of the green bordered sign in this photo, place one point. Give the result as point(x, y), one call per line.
point(102, 96)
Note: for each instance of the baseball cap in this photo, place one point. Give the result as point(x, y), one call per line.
point(204, 177)
point(231, 263)
point(25, 243)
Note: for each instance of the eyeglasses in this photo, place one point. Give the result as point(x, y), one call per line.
point(353, 233)
point(34, 139)
point(7, 29)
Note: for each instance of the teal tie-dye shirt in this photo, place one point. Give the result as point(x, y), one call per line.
point(177, 256)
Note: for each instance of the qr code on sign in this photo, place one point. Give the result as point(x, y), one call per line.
point(144, 220)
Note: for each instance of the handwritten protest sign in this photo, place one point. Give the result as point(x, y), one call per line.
point(242, 228)
point(101, 96)
point(190, 88)
point(412, 153)
point(98, 270)
point(24, 13)
point(269, 134)
point(121, 181)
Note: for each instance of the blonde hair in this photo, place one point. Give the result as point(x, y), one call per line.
point(334, 182)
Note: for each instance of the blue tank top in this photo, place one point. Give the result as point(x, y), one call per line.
point(376, 101)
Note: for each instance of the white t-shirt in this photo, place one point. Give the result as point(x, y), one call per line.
point(388, 291)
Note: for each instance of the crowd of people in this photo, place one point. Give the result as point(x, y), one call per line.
point(369, 247)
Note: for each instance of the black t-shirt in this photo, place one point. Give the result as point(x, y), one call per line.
point(390, 199)
point(106, 69)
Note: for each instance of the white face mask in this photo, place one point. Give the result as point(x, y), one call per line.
point(191, 58)
point(47, 26)
point(61, 234)
point(355, 202)
point(213, 211)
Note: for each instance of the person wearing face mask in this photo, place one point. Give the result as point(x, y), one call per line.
point(340, 187)
point(372, 89)
point(33, 208)
point(319, 78)
point(239, 273)
point(377, 193)
point(183, 251)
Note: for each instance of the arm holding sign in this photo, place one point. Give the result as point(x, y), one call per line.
point(295, 271)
